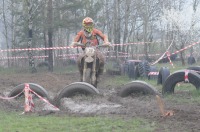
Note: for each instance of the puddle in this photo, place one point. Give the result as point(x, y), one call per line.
point(89, 107)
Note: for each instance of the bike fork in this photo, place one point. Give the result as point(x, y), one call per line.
point(94, 70)
point(84, 70)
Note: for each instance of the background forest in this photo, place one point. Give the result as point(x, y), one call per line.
point(140, 29)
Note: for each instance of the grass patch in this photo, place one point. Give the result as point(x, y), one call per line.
point(12, 122)
point(189, 97)
point(67, 69)
point(184, 93)
point(12, 70)
point(118, 80)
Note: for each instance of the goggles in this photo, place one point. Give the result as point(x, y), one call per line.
point(88, 27)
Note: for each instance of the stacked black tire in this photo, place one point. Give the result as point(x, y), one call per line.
point(142, 69)
point(124, 68)
point(131, 69)
point(163, 74)
point(154, 70)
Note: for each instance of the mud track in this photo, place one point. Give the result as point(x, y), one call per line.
point(186, 118)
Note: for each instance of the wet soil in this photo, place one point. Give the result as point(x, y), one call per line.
point(186, 116)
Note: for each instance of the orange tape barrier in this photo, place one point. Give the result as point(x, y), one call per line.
point(163, 112)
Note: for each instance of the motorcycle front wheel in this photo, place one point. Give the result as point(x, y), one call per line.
point(88, 77)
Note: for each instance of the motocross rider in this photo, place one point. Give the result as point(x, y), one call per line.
point(90, 34)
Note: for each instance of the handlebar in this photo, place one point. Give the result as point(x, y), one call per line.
point(83, 45)
point(79, 44)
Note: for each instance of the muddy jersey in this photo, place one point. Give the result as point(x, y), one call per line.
point(93, 38)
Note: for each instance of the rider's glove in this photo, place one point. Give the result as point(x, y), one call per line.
point(107, 43)
point(73, 44)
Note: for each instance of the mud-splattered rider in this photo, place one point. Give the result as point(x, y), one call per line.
point(90, 34)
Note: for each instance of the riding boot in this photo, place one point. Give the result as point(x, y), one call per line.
point(100, 72)
point(81, 75)
point(99, 78)
point(80, 66)
point(81, 78)
point(99, 75)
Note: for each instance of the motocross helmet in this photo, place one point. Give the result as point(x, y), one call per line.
point(88, 24)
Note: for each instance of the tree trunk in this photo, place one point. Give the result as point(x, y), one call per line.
point(182, 58)
point(145, 29)
point(6, 32)
point(117, 31)
point(50, 33)
point(30, 37)
point(195, 4)
point(45, 32)
point(13, 30)
point(127, 13)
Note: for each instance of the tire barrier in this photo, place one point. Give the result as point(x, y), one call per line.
point(122, 71)
point(125, 68)
point(137, 87)
point(35, 87)
point(153, 69)
point(195, 68)
point(191, 60)
point(137, 74)
point(144, 69)
point(131, 69)
point(179, 76)
point(128, 68)
point(162, 75)
point(28, 92)
point(115, 70)
point(74, 89)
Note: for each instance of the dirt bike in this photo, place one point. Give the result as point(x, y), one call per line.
point(90, 63)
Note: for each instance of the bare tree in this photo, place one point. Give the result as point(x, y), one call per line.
point(30, 35)
point(116, 23)
point(126, 20)
point(146, 16)
point(195, 4)
point(50, 33)
point(6, 30)
point(183, 30)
